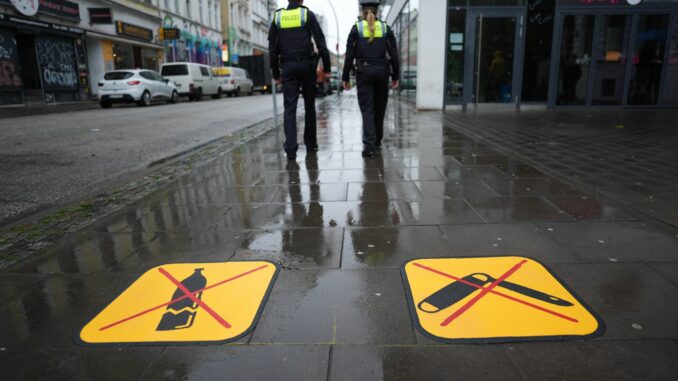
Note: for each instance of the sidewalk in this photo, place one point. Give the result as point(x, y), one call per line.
point(341, 227)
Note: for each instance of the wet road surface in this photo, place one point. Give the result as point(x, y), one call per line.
point(50, 160)
point(341, 227)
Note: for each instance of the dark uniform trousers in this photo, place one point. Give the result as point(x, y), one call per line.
point(299, 76)
point(373, 98)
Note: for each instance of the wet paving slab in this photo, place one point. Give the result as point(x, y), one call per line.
point(340, 228)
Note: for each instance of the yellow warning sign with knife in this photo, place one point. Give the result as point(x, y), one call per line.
point(186, 303)
point(494, 299)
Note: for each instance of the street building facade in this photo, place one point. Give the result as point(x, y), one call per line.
point(57, 50)
point(192, 31)
point(537, 53)
point(240, 29)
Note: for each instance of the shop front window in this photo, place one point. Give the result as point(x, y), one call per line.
point(611, 56)
point(454, 84)
point(575, 59)
point(538, 41)
point(647, 59)
point(671, 92)
point(412, 58)
point(123, 56)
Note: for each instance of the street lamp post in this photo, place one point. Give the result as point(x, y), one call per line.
point(336, 21)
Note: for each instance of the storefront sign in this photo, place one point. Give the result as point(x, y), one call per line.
point(10, 77)
point(100, 15)
point(14, 20)
point(594, 3)
point(60, 8)
point(133, 31)
point(26, 7)
point(170, 34)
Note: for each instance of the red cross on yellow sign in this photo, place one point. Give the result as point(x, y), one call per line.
point(187, 302)
point(494, 299)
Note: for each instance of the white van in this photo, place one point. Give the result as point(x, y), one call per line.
point(192, 79)
point(234, 80)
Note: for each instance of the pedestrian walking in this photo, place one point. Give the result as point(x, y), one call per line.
point(290, 47)
point(373, 44)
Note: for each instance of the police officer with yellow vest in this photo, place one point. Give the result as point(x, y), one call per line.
point(290, 46)
point(369, 42)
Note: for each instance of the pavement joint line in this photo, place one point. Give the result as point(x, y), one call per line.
point(498, 293)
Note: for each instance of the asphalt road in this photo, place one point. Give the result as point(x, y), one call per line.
point(49, 160)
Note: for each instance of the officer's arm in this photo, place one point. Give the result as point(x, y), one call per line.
point(392, 48)
point(273, 50)
point(319, 38)
point(350, 54)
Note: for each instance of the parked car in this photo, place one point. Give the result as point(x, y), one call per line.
point(192, 79)
point(234, 80)
point(140, 86)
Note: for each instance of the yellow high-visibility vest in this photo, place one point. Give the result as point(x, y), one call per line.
point(291, 18)
point(364, 31)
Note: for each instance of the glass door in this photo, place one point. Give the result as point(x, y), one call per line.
point(492, 66)
point(611, 55)
point(576, 46)
point(647, 61)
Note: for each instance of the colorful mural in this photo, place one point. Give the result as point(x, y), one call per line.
point(196, 43)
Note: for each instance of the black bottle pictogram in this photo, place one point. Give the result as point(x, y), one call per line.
point(181, 314)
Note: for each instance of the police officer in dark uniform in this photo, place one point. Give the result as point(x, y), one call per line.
point(289, 42)
point(369, 42)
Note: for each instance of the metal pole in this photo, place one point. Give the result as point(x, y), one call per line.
point(479, 46)
point(275, 98)
point(336, 21)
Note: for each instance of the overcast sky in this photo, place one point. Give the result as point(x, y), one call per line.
point(347, 11)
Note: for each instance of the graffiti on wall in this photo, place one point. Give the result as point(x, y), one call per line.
point(196, 44)
point(57, 62)
point(9, 71)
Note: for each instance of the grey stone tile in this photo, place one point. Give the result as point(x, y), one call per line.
point(296, 248)
point(455, 189)
point(623, 294)
point(261, 362)
point(601, 241)
point(507, 209)
point(459, 362)
point(530, 187)
point(312, 192)
point(391, 246)
point(72, 363)
point(437, 211)
point(587, 208)
point(56, 308)
point(509, 239)
point(611, 360)
point(668, 270)
point(336, 306)
point(405, 190)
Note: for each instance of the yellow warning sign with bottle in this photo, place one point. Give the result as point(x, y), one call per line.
point(494, 299)
point(184, 303)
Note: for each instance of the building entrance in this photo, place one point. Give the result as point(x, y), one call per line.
point(494, 57)
point(614, 59)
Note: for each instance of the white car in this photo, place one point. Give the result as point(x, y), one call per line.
point(192, 79)
point(234, 80)
point(140, 86)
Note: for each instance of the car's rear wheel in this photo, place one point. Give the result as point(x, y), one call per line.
point(174, 98)
point(145, 99)
point(105, 104)
point(198, 95)
point(237, 92)
point(217, 95)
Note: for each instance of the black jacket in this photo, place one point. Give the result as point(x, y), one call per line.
point(358, 48)
point(296, 42)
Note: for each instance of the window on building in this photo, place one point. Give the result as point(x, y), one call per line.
point(167, 4)
point(201, 11)
point(188, 9)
